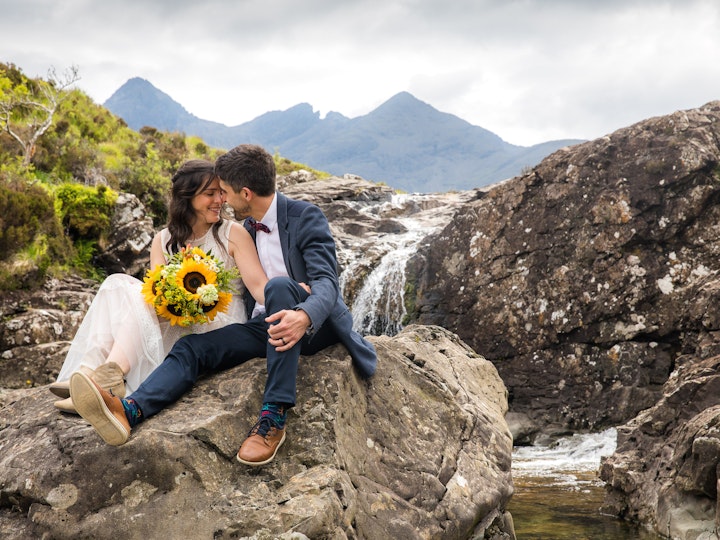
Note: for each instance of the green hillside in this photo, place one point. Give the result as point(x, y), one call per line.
point(63, 158)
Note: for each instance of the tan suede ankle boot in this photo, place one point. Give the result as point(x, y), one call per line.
point(110, 377)
point(66, 405)
point(62, 389)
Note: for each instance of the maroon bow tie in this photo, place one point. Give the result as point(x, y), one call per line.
point(259, 226)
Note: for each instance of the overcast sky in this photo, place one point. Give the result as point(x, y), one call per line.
point(527, 70)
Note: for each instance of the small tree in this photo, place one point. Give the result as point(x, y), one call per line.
point(27, 106)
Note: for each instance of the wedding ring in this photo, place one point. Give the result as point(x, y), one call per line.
point(283, 340)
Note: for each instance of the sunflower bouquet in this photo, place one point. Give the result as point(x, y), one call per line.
point(193, 287)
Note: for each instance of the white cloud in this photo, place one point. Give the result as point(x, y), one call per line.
point(528, 70)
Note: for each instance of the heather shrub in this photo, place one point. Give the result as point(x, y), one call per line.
point(84, 211)
point(25, 211)
point(148, 180)
point(31, 237)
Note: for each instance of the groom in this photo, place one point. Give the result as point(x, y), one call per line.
point(295, 245)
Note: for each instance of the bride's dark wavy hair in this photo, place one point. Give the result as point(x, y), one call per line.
point(191, 178)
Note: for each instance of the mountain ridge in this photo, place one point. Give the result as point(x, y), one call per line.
point(405, 142)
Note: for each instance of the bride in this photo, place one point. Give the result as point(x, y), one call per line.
point(121, 340)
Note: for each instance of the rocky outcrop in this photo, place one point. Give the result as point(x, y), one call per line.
point(36, 328)
point(585, 279)
point(664, 473)
point(420, 451)
point(127, 247)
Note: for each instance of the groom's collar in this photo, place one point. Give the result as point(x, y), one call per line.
point(270, 217)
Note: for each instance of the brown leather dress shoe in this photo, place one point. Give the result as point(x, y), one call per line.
point(102, 409)
point(262, 444)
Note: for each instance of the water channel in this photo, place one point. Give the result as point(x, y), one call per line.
point(558, 494)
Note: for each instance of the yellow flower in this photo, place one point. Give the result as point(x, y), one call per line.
point(149, 288)
point(194, 253)
point(193, 274)
point(221, 306)
point(169, 312)
point(192, 288)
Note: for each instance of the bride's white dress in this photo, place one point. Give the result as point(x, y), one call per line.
point(119, 313)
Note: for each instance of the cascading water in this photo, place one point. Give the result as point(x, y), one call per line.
point(579, 453)
point(378, 306)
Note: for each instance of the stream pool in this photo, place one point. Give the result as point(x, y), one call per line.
point(558, 493)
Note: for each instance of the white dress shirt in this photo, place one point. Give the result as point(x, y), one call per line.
point(269, 249)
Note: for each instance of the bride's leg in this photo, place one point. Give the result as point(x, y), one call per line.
point(118, 356)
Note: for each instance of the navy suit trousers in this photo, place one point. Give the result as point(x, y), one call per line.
point(198, 354)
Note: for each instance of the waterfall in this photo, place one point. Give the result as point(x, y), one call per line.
point(378, 306)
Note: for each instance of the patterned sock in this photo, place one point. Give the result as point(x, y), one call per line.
point(277, 412)
point(132, 412)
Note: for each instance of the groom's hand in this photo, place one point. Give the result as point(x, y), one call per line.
point(290, 328)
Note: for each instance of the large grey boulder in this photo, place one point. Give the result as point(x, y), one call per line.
point(583, 279)
point(422, 450)
point(664, 472)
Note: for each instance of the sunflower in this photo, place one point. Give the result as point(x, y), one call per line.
point(172, 314)
point(194, 253)
point(150, 284)
point(221, 306)
point(193, 275)
point(192, 288)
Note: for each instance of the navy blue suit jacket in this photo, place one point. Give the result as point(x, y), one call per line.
point(309, 252)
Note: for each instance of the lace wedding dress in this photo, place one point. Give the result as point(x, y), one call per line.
point(119, 313)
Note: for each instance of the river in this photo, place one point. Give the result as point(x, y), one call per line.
point(558, 494)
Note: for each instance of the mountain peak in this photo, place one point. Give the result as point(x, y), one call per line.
point(137, 81)
point(404, 102)
point(137, 86)
point(142, 104)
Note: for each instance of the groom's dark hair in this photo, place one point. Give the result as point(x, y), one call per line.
point(250, 166)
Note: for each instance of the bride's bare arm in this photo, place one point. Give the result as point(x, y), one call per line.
point(157, 255)
point(242, 249)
